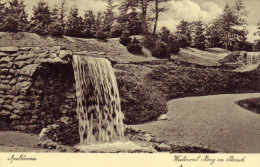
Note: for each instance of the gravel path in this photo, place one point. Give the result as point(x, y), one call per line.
point(214, 122)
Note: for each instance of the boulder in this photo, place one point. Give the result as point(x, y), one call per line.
point(8, 107)
point(163, 147)
point(20, 127)
point(15, 116)
point(64, 54)
point(13, 81)
point(6, 60)
point(5, 113)
point(5, 87)
point(102, 53)
point(28, 70)
point(163, 117)
point(9, 49)
point(42, 135)
point(3, 54)
point(20, 106)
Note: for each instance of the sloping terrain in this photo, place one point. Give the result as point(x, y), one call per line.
point(208, 57)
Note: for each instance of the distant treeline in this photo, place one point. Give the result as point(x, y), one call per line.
point(137, 17)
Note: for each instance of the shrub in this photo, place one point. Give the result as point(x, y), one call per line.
point(55, 29)
point(115, 32)
point(87, 33)
point(39, 29)
point(100, 35)
point(161, 50)
point(124, 38)
point(134, 47)
point(150, 42)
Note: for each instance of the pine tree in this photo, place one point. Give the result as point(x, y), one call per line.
point(2, 15)
point(15, 16)
point(55, 27)
point(129, 18)
point(41, 18)
point(184, 34)
point(89, 24)
point(199, 39)
point(109, 17)
point(74, 24)
point(233, 25)
point(62, 14)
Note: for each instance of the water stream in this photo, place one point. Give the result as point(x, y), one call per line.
point(98, 102)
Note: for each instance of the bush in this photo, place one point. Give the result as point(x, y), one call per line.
point(115, 32)
point(124, 38)
point(161, 50)
point(39, 29)
point(150, 42)
point(55, 29)
point(100, 35)
point(135, 47)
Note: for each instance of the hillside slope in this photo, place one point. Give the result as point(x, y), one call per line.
point(147, 83)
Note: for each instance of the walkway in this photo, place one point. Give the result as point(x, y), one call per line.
point(213, 122)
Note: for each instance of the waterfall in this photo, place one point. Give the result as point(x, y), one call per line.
point(98, 103)
point(253, 57)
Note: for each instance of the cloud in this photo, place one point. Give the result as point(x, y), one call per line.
point(188, 10)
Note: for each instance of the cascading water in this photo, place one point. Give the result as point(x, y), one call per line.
point(253, 57)
point(98, 103)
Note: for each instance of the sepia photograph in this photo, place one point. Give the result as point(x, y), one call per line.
point(130, 76)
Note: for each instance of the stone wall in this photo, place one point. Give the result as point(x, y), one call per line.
point(37, 87)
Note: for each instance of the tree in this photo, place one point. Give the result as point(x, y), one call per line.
point(89, 24)
point(55, 27)
point(15, 16)
point(2, 15)
point(74, 24)
point(129, 18)
point(256, 45)
point(170, 39)
point(109, 17)
point(199, 39)
point(232, 24)
point(144, 7)
point(41, 18)
point(62, 14)
point(184, 34)
point(158, 10)
point(213, 34)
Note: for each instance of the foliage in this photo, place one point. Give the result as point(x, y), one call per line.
point(250, 104)
point(129, 19)
point(74, 24)
point(184, 34)
point(161, 50)
point(170, 39)
point(109, 17)
point(199, 39)
point(89, 24)
point(101, 35)
point(55, 29)
point(124, 38)
point(231, 25)
point(41, 18)
point(134, 47)
point(15, 16)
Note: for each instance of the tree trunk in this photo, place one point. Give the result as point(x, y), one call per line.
point(156, 16)
point(144, 11)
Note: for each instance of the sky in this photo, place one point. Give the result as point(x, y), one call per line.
point(189, 10)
